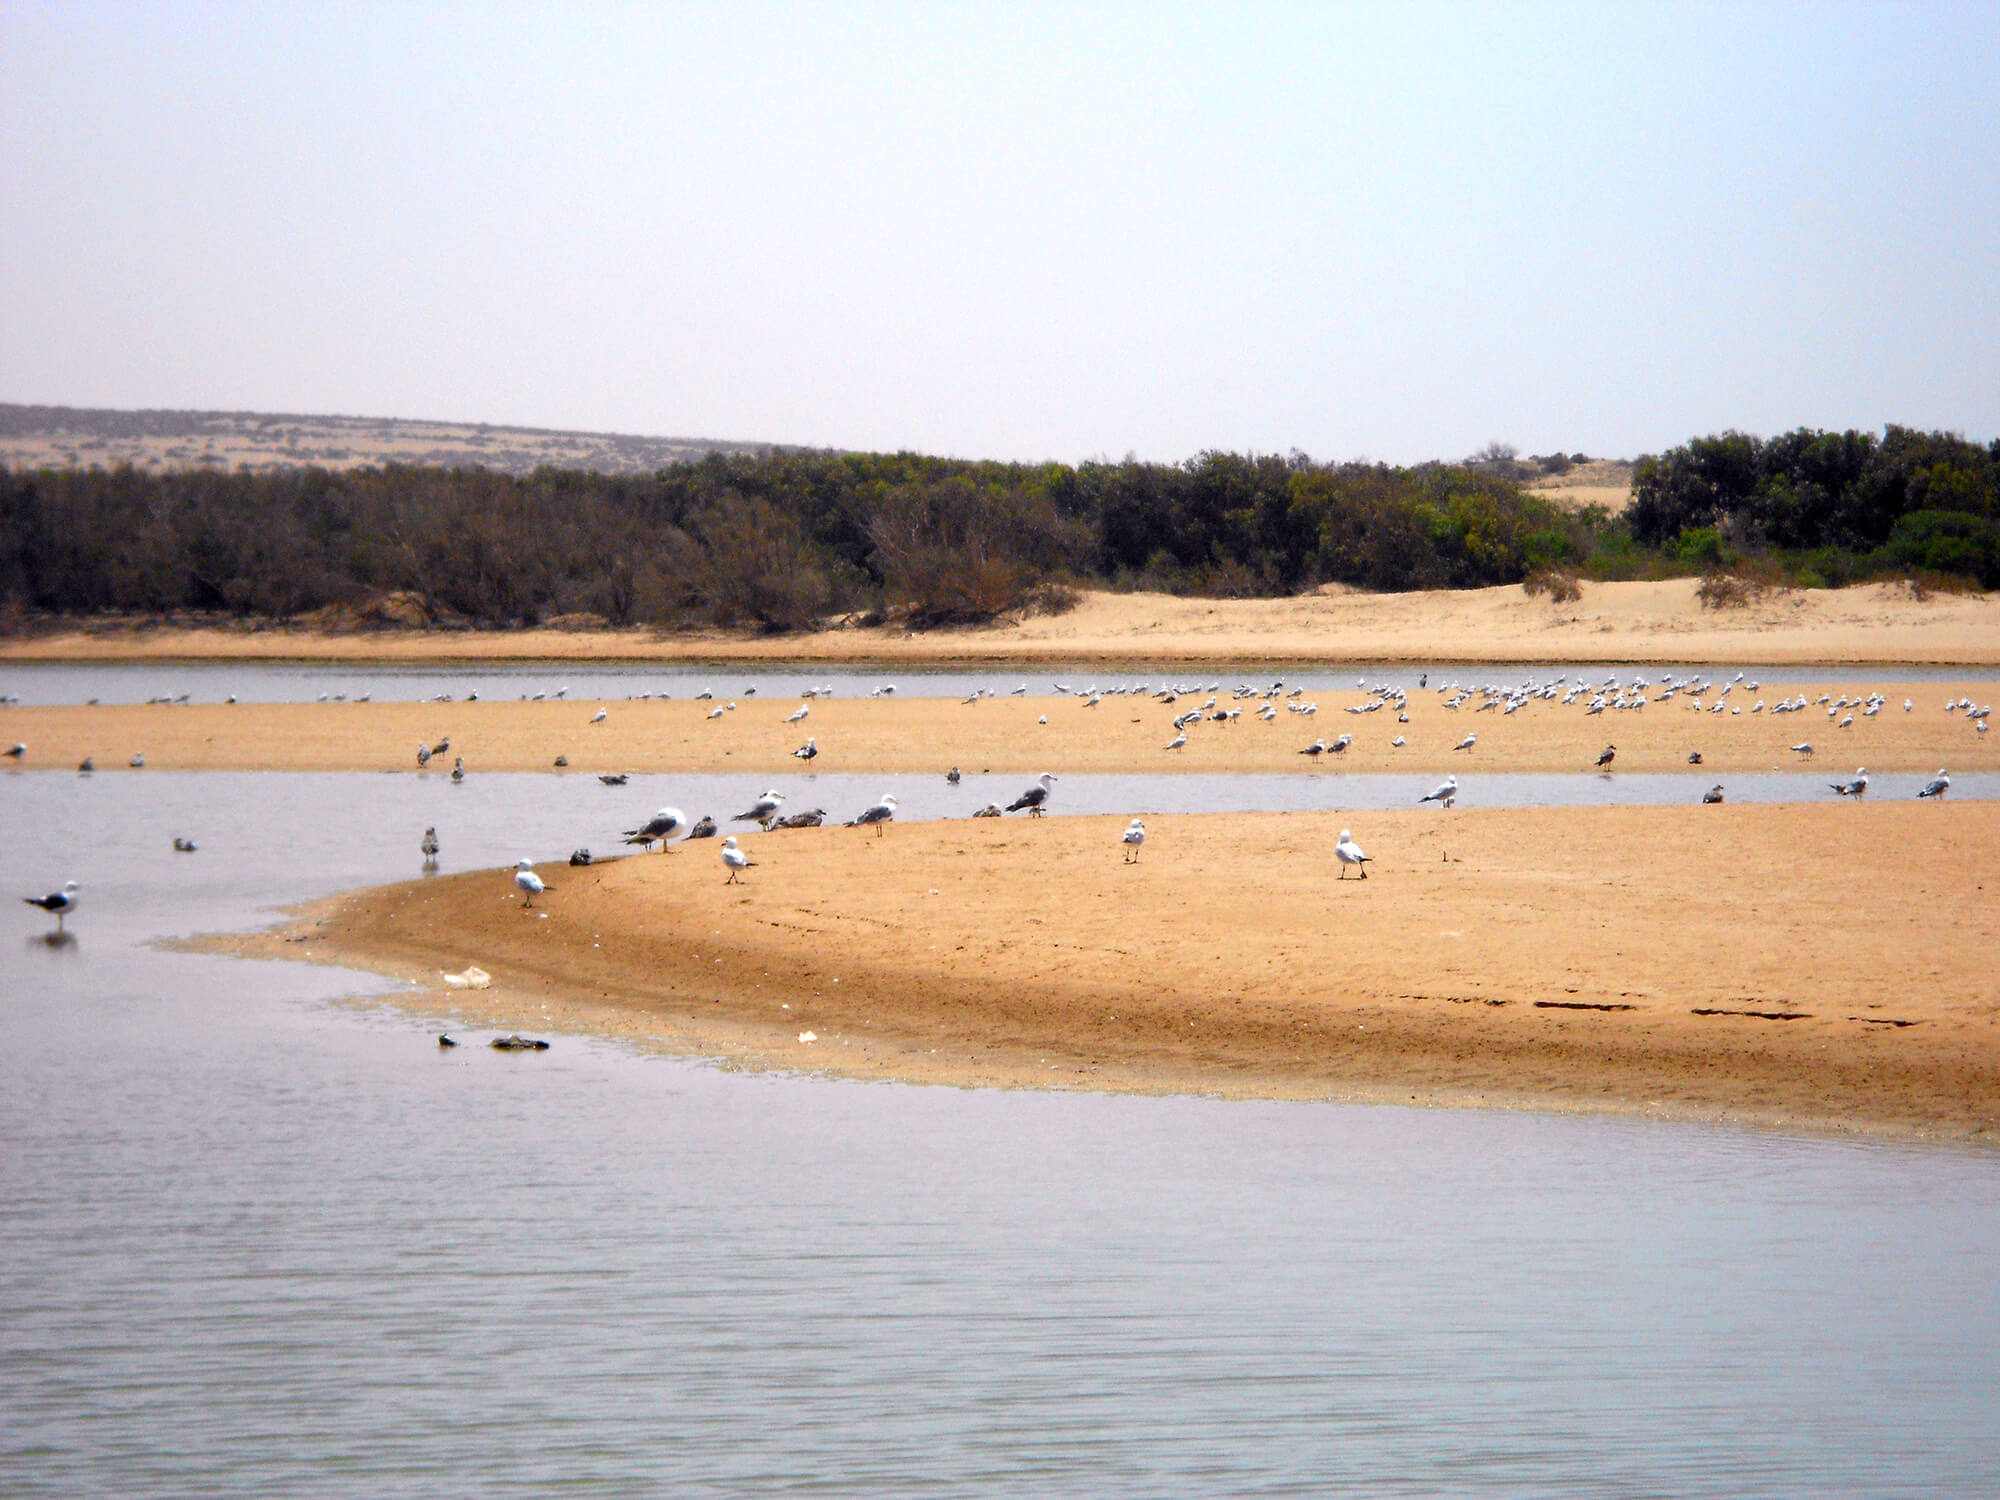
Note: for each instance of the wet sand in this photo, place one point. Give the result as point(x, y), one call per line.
point(1612, 622)
point(927, 736)
point(1820, 967)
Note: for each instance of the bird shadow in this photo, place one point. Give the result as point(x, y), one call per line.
point(59, 942)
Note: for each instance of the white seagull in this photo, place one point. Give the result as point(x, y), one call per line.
point(884, 811)
point(1135, 835)
point(662, 826)
point(1937, 786)
point(61, 902)
point(803, 710)
point(1467, 743)
point(600, 716)
point(529, 882)
point(1177, 742)
point(1036, 797)
point(1446, 793)
point(1349, 853)
point(1803, 747)
point(761, 809)
point(736, 859)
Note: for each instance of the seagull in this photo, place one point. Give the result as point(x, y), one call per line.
point(18, 752)
point(1349, 853)
point(1606, 755)
point(952, 776)
point(183, 846)
point(1712, 795)
point(86, 766)
point(808, 750)
point(1178, 741)
point(1467, 743)
point(662, 826)
point(715, 713)
point(1857, 788)
point(1397, 743)
point(442, 746)
point(1694, 757)
point(705, 829)
point(1803, 747)
point(457, 769)
point(579, 857)
point(736, 859)
point(990, 810)
point(883, 811)
point(430, 846)
point(803, 710)
point(529, 882)
point(1937, 786)
point(812, 819)
point(1339, 746)
point(61, 902)
point(1135, 835)
point(1036, 797)
point(600, 716)
point(1317, 747)
point(764, 807)
point(613, 778)
point(138, 761)
point(1446, 793)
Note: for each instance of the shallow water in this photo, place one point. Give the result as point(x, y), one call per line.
point(212, 682)
point(254, 1241)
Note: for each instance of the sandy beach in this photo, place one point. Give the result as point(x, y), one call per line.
point(1824, 968)
point(1636, 622)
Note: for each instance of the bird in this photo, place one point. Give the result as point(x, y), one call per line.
point(884, 811)
point(1036, 797)
point(952, 776)
point(1712, 795)
point(86, 766)
point(662, 826)
point(430, 846)
point(1397, 743)
point(1857, 788)
point(614, 778)
point(1937, 786)
point(705, 829)
point(803, 710)
point(1177, 742)
point(562, 762)
point(1135, 835)
point(1803, 747)
point(1317, 747)
point(442, 747)
point(1339, 746)
point(138, 761)
point(764, 807)
point(457, 769)
point(1446, 792)
point(812, 818)
point(808, 750)
point(715, 713)
point(579, 856)
point(1694, 757)
point(183, 846)
point(1606, 755)
point(600, 716)
point(18, 752)
point(1467, 743)
point(990, 810)
point(1349, 853)
point(736, 859)
point(529, 882)
point(61, 902)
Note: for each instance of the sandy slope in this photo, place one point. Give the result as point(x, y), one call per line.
point(1827, 967)
point(1645, 622)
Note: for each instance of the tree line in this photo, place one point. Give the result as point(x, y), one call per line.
point(778, 541)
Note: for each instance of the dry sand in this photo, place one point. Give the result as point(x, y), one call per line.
point(928, 735)
point(1639, 622)
point(1827, 967)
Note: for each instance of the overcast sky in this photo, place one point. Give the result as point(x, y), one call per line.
point(1391, 231)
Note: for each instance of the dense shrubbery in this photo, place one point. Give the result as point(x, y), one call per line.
point(778, 542)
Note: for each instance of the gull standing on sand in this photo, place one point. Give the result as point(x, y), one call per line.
point(803, 710)
point(1606, 755)
point(884, 811)
point(529, 882)
point(600, 716)
point(808, 750)
point(1178, 741)
point(1467, 743)
point(1135, 835)
point(1036, 797)
point(1937, 786)
point(764, 807)
point(61, 902)
point(17, 752)
point(705, 829)
point(662, 826)
point(1803, 747)
point(736, 859)
point(1446, 793)
point(1349, 853)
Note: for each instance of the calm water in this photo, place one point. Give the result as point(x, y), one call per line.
point(255, 1241)
point(58, 683)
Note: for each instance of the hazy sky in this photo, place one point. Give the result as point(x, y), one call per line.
point(1392, 231)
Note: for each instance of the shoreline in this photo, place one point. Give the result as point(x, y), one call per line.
point(1571, 976)
point(1646, 623)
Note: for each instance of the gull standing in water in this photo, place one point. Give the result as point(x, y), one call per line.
point(1712, 796)
point(884, 811)
point(61, 902)
point(662, 826)
point(1857, 788)
point(764, 807)
point(736, 859)
point(1349, 853)
point(529, 882)
point(953, 776)
point(1446, 793)
point(1135, 835)
point(430, 846)
point(1036, 797)
point(1937, 786)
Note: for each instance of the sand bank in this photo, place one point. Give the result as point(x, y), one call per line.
point(1807, 967)
point(1641, 622)
point(926, 736)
